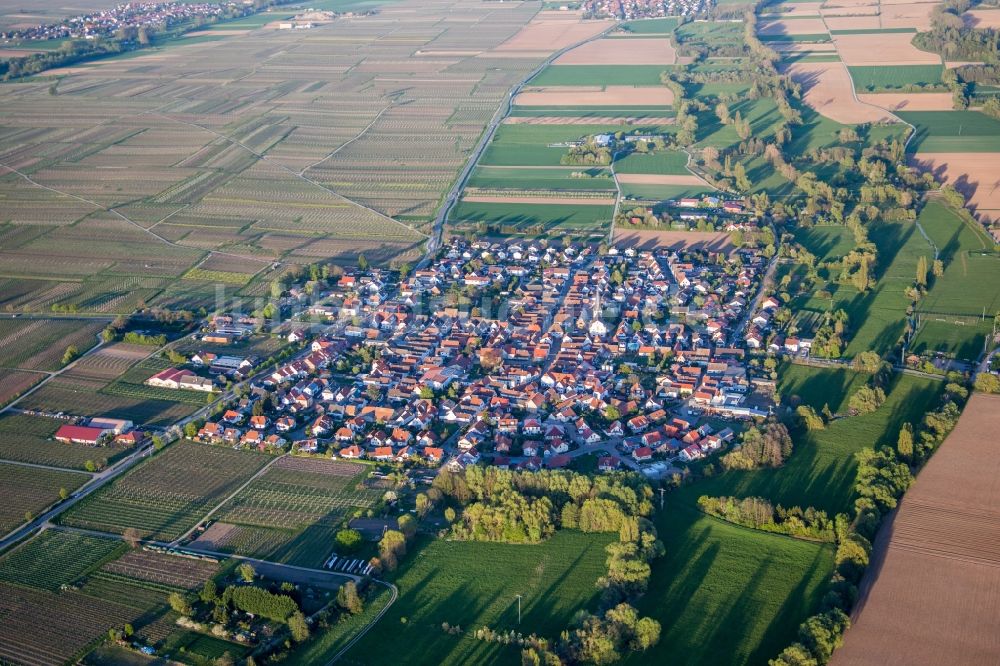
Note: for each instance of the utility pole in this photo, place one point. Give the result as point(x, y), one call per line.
point(662, 490)
point(519, 609)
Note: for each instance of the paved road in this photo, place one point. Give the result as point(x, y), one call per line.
point(99, 480)
point(768, 278)
point(361, 634)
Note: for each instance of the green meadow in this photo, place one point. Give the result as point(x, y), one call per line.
point(471, 585)
point(953, 132)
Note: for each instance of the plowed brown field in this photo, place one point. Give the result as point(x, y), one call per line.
point(932, 593)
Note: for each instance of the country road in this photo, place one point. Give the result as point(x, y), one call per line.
point(502, 112)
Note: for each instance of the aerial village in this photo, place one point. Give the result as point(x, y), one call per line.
point(519, 355)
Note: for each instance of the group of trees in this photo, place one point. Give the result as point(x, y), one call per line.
point(392, 545)
point(758, 513)
point(866, 400)
point(527, 507)
point(587, 154)
point(769, 446)
point(951, 37)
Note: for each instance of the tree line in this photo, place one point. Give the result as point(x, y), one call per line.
point(759, 514)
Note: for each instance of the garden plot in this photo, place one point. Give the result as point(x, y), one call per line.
point(168, 494)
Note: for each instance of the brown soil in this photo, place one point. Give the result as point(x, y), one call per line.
point(853, 22)
point(550, 31)
point(584, 120)
point(658, 179)
point(802, 26)
point(717, 241)
point(827, 89)
point(560, 201)
point(976, 175)
point(621, 51)
point(909, 101)
point(883, 49)
point(799, 47)
point(932, 593)
point(911, 15)
point(845, 12)
point(797, 9)
point(982, 18)
point(610, 96)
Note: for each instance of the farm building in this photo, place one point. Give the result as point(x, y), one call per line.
point(177, 378)
point(73, 434)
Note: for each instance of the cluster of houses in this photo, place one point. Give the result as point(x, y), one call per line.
point(520, 355)
point(108, 22)
point(636, 9)
point(762, 334)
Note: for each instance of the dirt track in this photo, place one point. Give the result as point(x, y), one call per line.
point(932, 593)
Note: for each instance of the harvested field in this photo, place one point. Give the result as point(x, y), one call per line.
point(860, 10)
point(621, 51)
point(587, 120)
point(803, 47)
point(932, 592)
point(909, 101)
point(556, 201)
point(976, 175)
point(795, 9)
point(982, 18)
point(853, 22)
point(716, 241)
point(550, 31)
point(799, 26)
point(827, 89)
point(882, 49)
point(595, 96)
point(657, 179)
point(907, 15)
